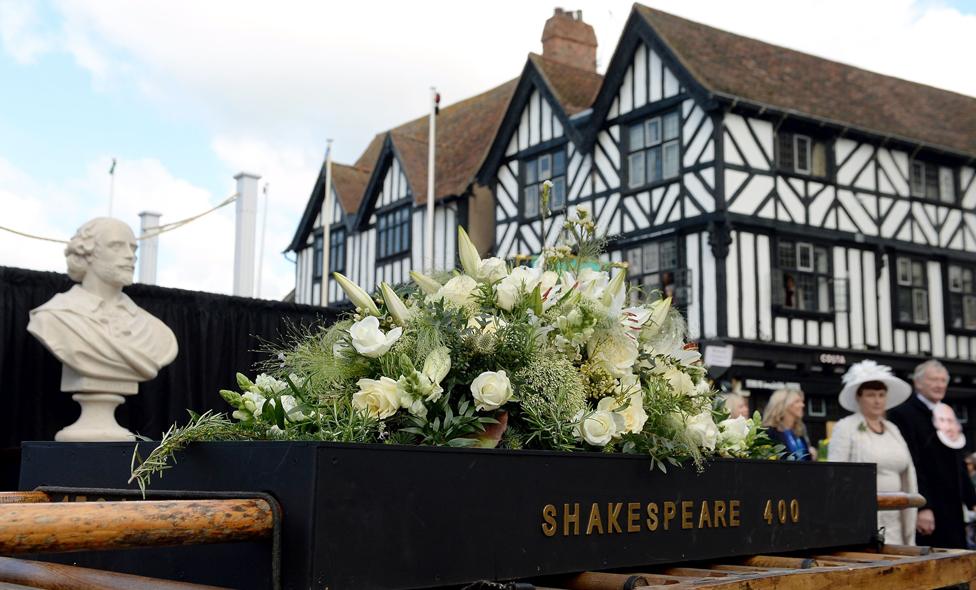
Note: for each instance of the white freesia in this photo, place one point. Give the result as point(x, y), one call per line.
point(459, 291)
point(290, 405)
point(268, 385)
point(492, 269)
point(253, 402)
point(598, 428)
point(491, 390)
point(369, 340)
point(615, 352)
point(733, 433)
point(378, 398)
point(356, 295)
point(702, 430)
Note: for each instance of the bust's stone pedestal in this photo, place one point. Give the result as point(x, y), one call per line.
point(98, 399)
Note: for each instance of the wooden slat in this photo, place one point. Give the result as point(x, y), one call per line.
point(23, 497)
point(54, 576)
point(778, 561)
point(70, 526)
point(899, 501)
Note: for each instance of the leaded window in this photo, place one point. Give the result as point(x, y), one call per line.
point(929, 181)
point(802, 278)
point(962, 297)
point(911, 291)
point(655, 267)
point(393, 232)
point(801, 154)
point(653, 150)
point(550, 166)
point(317, 257)
point(337, 250)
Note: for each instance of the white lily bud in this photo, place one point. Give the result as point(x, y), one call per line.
point(356, 295)
point(470, 259)
point(616, 285)
point(659, 313)
point(396, 306)
point(438, 364)
point(426, 284)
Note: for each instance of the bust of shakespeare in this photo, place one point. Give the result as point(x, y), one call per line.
point(106, 342)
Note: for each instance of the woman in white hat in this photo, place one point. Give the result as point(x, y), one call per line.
point(867, 437)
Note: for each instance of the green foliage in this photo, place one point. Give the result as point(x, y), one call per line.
point(445, 427)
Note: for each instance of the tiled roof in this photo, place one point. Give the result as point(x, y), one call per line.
point(574, 88)
point(350, 183)
point(788, 80)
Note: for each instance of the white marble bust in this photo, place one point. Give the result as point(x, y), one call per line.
point(106, 342)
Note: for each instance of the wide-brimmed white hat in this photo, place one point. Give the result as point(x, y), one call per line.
point(865, 371)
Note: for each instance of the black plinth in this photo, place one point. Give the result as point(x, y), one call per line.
point(363, 516)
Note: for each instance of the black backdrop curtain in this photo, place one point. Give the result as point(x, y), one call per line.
point(218, 335)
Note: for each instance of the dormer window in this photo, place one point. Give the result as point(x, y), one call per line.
point(801, 154)
point(653, 151)
point(536, 170)
point(393, 232)
point(932, 182)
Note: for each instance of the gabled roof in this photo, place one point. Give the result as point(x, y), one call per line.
point(349, 183)
point(568, 89)
point(464, 132)
point(739, 68)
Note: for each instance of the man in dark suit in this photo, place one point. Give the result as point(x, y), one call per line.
point(941, 476)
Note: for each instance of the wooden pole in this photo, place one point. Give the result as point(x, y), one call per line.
point(23, 497)
point(84, 526)
point(899, 501)
point(38, 574)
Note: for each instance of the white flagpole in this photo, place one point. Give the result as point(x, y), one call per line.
point(326, 222)
point(431, 146)
point(111, 188)
point(264, 229)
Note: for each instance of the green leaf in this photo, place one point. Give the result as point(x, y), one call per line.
point(448, 416)
point(293, 387)
point(436, 424)
point(535, 300)
point(462, 442)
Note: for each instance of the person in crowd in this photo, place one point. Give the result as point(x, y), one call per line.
point(867, 437)
point(783, 419)
point(971, 467)
point(736, 404)
point(941, 476)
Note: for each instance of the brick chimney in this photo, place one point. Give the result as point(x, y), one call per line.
point(569, 40)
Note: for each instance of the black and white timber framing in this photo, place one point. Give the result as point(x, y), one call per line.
point(728, 207)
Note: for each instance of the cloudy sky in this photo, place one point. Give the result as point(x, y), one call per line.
point(185, 94)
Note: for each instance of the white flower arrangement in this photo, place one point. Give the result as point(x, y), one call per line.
point(544, 356)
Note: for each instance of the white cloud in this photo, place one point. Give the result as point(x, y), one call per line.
point(18, 31)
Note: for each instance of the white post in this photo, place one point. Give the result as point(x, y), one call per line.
point(326, 225)
point(264, 230)
point(429, 221)
point(246, 226)
point(149, 247)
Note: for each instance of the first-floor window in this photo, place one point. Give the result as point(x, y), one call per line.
point(962, 297)
point(802, 277)
point(337, 250)
point(929, 181)
point(801, 154)
point(552, 167)
point(393, 232)
point(654, 267)
point(317, 257)
point(653, 153)
point(911, 291)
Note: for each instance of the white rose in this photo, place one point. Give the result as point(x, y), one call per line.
point(680, 381)
point(702, 430)
point(380, 399)
point(733, 433)
point(492, 269)
point(491, 390)
point(521, 280)
point(633, 414)
point(459, 291)
point(369, 340)
point(598, 428)
point(616, 353)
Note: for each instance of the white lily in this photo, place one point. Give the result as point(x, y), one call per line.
point(356, 294)
point(470, 259)
point(428, 285)
point(396, 306)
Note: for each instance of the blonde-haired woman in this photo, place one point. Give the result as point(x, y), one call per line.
point(736, 405)
point(783, 419)
point(866, 436)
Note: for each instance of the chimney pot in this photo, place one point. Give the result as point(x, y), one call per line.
point(567, 39)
